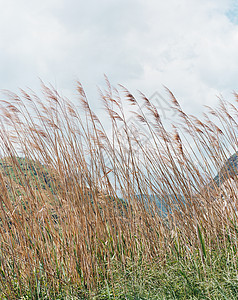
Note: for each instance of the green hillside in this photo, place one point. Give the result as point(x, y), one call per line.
point(25, 171)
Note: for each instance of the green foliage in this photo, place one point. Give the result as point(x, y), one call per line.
point(36, 174)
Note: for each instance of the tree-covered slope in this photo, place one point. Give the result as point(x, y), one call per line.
point(25, 171)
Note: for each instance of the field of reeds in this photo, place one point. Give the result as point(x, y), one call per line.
point(90, 215)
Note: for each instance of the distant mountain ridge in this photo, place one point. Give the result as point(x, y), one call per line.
point(228, 170)
point(45, 178)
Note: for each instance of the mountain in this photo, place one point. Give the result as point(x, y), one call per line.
point(228, 170)
point(16, 174)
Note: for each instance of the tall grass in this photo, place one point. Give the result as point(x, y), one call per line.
point(93, 226)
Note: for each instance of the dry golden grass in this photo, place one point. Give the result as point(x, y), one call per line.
point(77, 228)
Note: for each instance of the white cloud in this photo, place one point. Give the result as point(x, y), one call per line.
point(189, 46)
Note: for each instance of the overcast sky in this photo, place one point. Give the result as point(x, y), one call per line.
point(190, 46)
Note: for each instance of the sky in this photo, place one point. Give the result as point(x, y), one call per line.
point(190, 46)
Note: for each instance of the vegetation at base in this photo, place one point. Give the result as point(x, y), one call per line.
point(66, 233)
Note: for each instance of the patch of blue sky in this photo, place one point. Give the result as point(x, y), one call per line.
point(232, 13)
